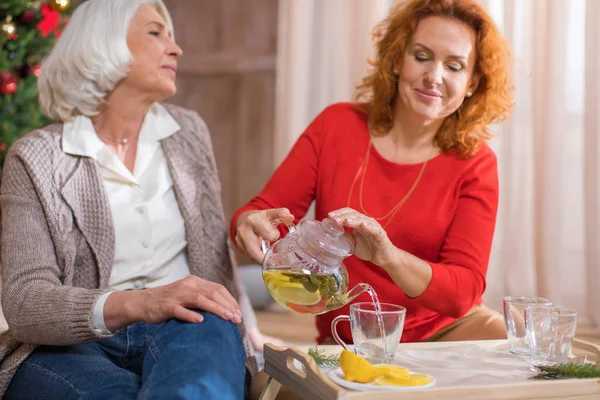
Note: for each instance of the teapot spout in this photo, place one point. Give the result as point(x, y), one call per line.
point(357, 291)
point(340, 301)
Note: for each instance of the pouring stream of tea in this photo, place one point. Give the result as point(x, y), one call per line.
point(379, 315)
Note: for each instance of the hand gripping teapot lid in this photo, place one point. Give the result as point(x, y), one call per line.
point(327, 236)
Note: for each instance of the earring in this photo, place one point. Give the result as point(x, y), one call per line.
point(469, 94)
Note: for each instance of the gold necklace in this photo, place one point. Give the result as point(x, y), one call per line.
point(392, 212)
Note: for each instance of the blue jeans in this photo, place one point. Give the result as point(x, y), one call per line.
point(171, 360)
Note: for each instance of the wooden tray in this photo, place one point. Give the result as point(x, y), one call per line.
point(311, 383)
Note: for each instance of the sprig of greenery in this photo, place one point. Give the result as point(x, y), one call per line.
point(568, 371)
point(322, 359)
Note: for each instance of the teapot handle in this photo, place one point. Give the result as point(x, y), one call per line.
point(266, 247)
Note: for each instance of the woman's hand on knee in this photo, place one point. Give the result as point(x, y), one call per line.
point(252, 226)
point(178, 298)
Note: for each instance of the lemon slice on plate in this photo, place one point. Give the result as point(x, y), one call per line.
point(395, 379)
point(356, 368)
point(295, 293)
point(383, 369)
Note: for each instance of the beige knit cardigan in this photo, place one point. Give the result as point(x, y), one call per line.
point(57, 236)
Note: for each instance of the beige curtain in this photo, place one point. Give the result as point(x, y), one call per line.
point(591, 158)
point(322, 50)
point(547, 240)
point(548, 236)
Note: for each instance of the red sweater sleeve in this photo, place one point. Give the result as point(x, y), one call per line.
point(294, 183)
point(458, 280)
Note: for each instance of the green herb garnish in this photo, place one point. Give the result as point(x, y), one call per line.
point(322, 359)
point(568, 371)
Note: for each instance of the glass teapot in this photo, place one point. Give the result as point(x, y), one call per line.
point(304, 272)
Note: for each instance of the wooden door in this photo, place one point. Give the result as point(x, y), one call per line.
point(227, 75)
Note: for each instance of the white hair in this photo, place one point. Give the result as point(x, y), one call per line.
point(90, 58)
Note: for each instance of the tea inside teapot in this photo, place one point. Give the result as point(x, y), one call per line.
point(304, 271)
point(306, 292)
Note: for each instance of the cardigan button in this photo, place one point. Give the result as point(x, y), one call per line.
point(139, 284)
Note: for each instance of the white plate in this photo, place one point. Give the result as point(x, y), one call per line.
point(337, 376)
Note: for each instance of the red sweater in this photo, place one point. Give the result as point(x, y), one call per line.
point(448, 220)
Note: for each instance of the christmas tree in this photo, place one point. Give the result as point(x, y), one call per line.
point(28, 30)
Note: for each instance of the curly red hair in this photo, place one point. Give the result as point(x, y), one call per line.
point(465, 129)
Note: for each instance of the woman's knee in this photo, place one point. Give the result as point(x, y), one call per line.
point(207, 357)
point(211, 328)
point(213, 336)
point(482, 324)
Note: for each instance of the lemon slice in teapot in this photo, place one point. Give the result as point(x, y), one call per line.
point(275, 276)
point(295, 293)
point(274, 283)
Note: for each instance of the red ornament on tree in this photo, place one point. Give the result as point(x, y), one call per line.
point(27, 17)
point(36, 69)
point(8, 84)
point(27, 70)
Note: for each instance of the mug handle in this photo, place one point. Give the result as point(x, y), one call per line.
point(336, 336)
point(266, 247)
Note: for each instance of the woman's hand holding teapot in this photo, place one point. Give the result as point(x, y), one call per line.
point(371, 242)
point(251, 226)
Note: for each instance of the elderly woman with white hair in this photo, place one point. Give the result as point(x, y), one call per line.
point(120, 195)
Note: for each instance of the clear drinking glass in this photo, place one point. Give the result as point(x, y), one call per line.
point(366, 331)
point(514, 321)
point(551, 331)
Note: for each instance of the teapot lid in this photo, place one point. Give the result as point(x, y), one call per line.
point(327, 235)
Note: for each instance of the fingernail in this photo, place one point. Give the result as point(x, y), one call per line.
point(237, 319)
point(332, 214)
point(228, 315)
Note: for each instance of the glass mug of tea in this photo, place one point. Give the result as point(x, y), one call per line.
point(376, 330)
point(304, 272)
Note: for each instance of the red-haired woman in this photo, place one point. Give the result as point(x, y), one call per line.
point(406, 168)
